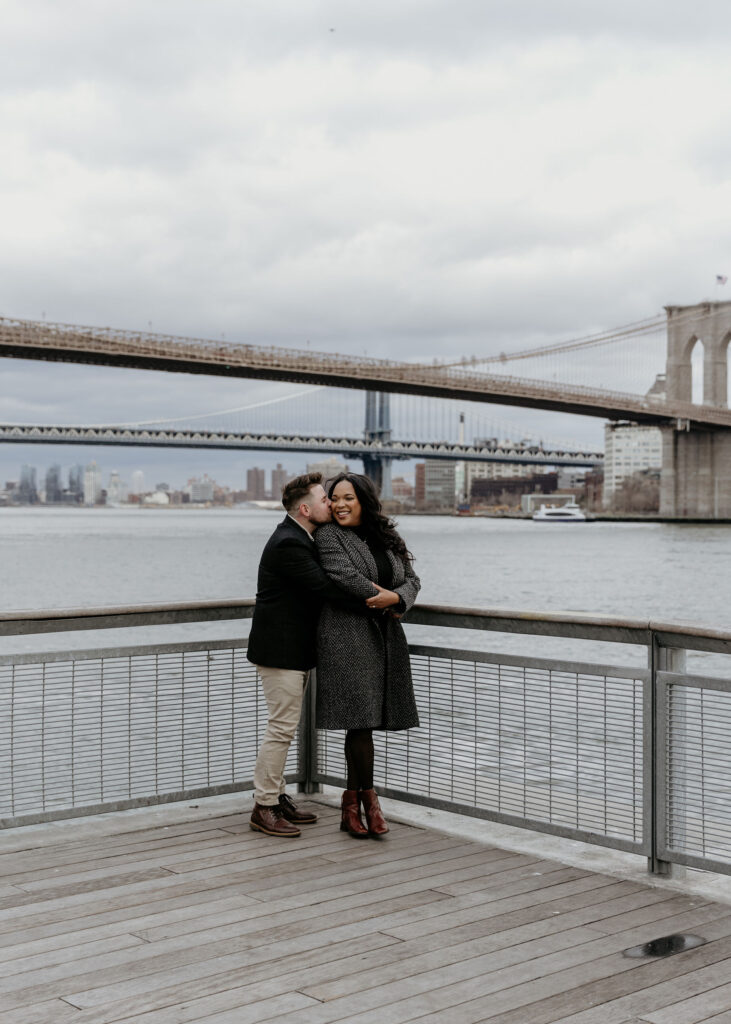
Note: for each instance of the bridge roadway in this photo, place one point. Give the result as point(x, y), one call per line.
point(345, 446)
point(31, 339)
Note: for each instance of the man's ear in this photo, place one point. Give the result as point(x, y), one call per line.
point(304, 510)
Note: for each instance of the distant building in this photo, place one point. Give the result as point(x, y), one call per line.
point(157, 498)
point(76, 484)
point(401, 489)
point(419, 489)
point(200, 491)
point(137, 483)
point(570, 479)
point(27, 489)
point(439, 485)
point(509, 491)
point(328, 467)
point(256, 485)
point(54, 490)
point(116, 490)
point(280, 476)
point(92, 484)
point(629, 448)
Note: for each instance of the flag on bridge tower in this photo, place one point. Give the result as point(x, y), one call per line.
point(721, 279)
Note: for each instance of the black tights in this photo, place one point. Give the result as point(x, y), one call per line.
point(359, 758)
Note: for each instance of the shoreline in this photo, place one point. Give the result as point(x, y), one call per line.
point(604, 517)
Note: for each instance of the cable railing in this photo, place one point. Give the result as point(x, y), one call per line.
point(631, 758)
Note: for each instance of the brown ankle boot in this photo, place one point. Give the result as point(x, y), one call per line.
point(373, 814)
point(351, 821)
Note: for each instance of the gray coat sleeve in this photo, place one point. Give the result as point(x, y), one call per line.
point(409, 588)
point(336, 563)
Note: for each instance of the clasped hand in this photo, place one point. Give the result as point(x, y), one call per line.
point(383, 599)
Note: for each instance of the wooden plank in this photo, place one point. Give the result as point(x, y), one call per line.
point(163, 959)
point(513, 896)
point(696, 1007)
point(85, 885)
point(73, 952)
point(183, 996)
point(653, 983)
point(478, 992)
point(538, 1000)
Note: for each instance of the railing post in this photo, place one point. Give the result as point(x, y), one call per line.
point(661, 659)
point(307, 740)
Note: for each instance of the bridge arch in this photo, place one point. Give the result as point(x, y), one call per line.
point(710, 324)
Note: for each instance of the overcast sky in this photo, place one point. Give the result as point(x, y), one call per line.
point(410, 179)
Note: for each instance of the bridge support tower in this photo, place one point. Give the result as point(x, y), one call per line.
point(378, 428)
point(696, 463)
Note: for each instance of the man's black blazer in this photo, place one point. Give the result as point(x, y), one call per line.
point(290, 592)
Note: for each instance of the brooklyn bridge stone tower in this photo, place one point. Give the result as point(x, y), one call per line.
point(696, 467)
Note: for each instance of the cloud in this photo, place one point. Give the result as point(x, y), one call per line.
point(426, 179)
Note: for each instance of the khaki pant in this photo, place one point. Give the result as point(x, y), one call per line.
point(283, 689)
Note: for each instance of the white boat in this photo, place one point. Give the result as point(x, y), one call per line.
point(568, 513)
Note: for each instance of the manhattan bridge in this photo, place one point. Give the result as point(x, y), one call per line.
point(644, 372)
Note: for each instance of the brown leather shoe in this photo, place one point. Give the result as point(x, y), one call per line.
point(373, 814)
point(272, 822)
point(350, 820)
point(292, 813)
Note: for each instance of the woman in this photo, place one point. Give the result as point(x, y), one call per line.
point(363, 667)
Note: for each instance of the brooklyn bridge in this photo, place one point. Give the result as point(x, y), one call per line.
point(696, 471)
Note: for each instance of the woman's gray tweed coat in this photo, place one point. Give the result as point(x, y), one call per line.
point(363, 671)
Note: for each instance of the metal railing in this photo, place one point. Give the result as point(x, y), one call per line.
point(630, 758)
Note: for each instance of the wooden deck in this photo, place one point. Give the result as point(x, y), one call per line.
point(205, 920)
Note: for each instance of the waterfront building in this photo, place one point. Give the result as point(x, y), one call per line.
point(401, 489)
point(92, 484)
point(27, 488)
point(76, 484)
point(201, 491)
point(435, 485)
point(490, 470)
point(328, 467)
point(280, 476)
point(629, 448)
point(256, 488)
point(54, 490)
point(137, 485)
point(157, 498)
point(117, 490)
point(510, 490)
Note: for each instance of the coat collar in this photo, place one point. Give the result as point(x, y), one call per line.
point(356, 544)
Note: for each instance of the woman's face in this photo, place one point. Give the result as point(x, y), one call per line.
point(346, 508)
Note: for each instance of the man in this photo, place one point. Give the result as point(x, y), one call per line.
point(291, 589)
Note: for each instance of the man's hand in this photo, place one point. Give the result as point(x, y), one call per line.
point(383, 599)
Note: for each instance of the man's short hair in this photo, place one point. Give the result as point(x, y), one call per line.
point(295, 491)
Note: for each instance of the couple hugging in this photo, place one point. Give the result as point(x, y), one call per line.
point(334, 579)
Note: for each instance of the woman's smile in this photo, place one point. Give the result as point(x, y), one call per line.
point(346, 508)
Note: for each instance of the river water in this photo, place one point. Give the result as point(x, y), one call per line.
point(61, 558)
point(66, 558)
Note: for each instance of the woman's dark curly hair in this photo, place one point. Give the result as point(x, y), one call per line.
point(373, 520)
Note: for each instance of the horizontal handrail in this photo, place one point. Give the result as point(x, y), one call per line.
point(577, 625)
point(60, 620)
point(616, 756)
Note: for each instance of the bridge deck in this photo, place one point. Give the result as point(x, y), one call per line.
point(204, 920)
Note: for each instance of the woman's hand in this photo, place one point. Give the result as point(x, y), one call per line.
point(383, 599)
